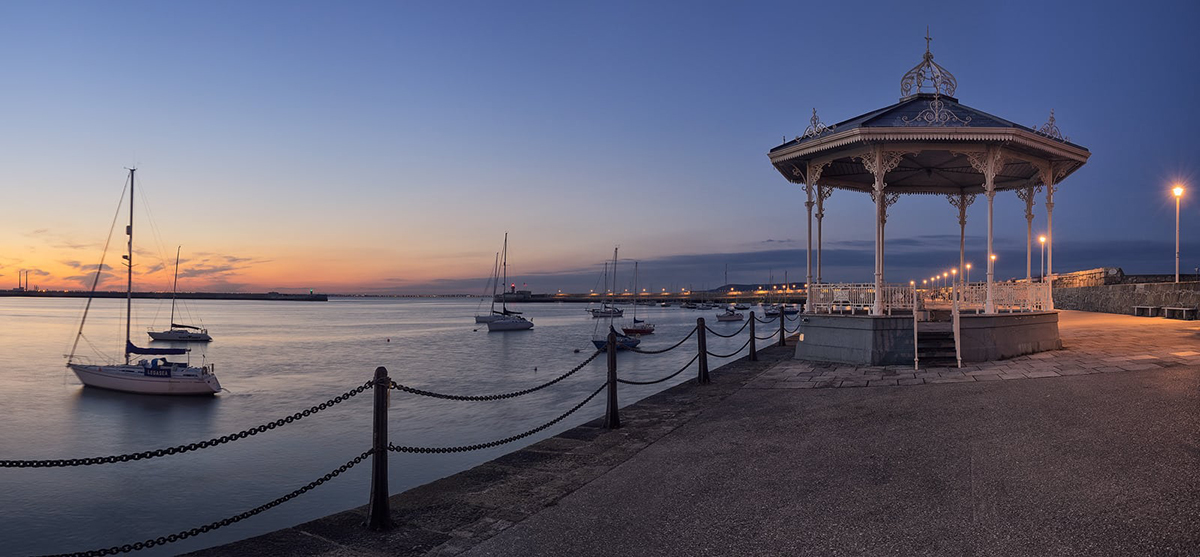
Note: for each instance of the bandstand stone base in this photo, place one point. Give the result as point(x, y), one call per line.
point(888, 340)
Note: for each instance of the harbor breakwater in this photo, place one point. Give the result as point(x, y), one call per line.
point(279, 296)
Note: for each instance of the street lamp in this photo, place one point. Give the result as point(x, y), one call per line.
point(1178, 191)
point(1042, 240)
point(968, 273)
point(954, 273)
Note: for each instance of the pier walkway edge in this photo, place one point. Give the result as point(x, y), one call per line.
point(1097, 451)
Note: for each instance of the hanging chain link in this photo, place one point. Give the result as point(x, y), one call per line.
point(163, 540)
point(771, 320)
point(513, 394)
point(667, 378)
point(673, 346)
point(734, 353)
point(773, 333)
point(792, 331)
point(488, 445)
point(734, 334)
point(189, 447)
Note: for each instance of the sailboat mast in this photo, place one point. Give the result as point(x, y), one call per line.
point(503, 291)
point(175, 286)
point(129, 263)
point(495, 279)
point(635, 292)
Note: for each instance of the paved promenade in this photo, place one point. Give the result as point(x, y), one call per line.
point(1092, 450)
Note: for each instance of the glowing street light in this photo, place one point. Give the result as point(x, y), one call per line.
point(1042, 240)
point(954, 273)
point(968, 273)
point(1178, 191)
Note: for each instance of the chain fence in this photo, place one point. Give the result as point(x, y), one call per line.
point(667, 378)
point(503, 396)
point(773, 333)
point(734, 353)
point(672, 347)
point(163, 540)
point(497, 443)
point(771, 320)
point(179, 449)
point(731, 335)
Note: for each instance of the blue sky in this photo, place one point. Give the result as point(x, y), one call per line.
point(386, 147)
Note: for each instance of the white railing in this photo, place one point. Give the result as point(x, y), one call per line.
point(1006, 297)
point(852, 297)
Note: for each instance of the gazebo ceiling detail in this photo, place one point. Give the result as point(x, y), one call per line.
point(938, 137)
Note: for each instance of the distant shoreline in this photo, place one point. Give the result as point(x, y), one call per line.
point(274, 296)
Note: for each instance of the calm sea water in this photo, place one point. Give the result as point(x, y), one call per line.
point(276, 358)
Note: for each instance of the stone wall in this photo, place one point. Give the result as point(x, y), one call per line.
point(1120, 298)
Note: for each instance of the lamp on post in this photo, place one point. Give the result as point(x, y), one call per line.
point(1042, 240)
point(1178, 191)
point(954, 275)
point(968, 273)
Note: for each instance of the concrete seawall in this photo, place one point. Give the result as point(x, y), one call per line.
point(1120, 298)
point(460, 511)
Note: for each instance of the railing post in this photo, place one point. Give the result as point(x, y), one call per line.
point(612, 420)
point(753, 344)
point(702, 349)
point(782, 331)
point(378, 512)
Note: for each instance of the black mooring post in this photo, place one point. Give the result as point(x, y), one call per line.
point(702, 350)
point(753, 343)
point(782, 331)
point(612, 420)
point(378, 514)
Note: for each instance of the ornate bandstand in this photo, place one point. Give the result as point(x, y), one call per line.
point(928, 143)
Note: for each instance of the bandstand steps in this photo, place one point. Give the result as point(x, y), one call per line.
point(935, 345)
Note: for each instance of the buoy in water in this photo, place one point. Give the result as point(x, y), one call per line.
point(389, 340)
point(576, 350)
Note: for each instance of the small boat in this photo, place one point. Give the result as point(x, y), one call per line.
point(791, 309)
point(640, 326)
point(177, 332)
point(664, 304)
point(689, 305)
point(624, 341)
point(607, 311)
point(730, 315)
point(153, 376)
point(507, 320)
point(771, 311)
point(741, 306)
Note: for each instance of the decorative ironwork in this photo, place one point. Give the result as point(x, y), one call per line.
point(1027, 195)
point(1050, 129)
point(816, 127)
point(928, 75)
point(937, 115)
point(961, 201)
point(814, 172)
point(887, 161)
point(979, 160)
point(823, 193)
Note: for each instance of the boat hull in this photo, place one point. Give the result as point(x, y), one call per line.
point(509, 324)
point(179, 336)
point(638, 330)
point(139, 379)
point(486, 318)
point(728, 317)
point(608, 313)
point(623, 343)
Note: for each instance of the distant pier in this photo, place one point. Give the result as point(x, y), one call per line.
point(278, 296)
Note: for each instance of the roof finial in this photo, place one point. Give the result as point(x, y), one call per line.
point(928, 76)
point(1050, 129)
point(816, 127)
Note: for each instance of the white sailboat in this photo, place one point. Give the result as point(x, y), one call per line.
point(624, 341)
point(147, 376)
point(508, 320)
point(177, 332)
point(640, 326)
point(607, 308)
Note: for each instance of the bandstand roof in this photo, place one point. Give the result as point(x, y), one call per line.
point(938, 136)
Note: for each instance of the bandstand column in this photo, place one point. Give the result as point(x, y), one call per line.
point(961, 202)
point(823, 193)
point(1027, 195)
point(808, 190)
point(879, 162)
point(991, 167)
